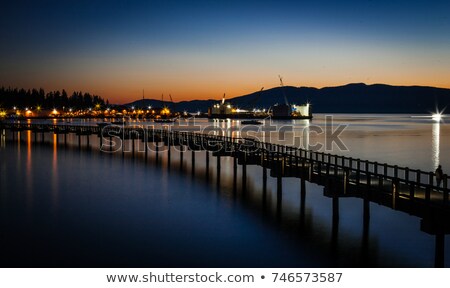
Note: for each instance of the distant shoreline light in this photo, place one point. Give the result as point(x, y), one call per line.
point(437, 117)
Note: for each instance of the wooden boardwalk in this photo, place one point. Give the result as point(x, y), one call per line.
point(409, 190)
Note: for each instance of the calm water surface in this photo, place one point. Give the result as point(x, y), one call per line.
point(62, 205)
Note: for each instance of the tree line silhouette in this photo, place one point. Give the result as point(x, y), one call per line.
point(22, 98)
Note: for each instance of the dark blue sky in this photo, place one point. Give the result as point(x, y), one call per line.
point(200, 49)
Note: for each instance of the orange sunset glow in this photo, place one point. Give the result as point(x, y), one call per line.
point(205, 51)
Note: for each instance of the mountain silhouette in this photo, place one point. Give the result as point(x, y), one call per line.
point(351, 98)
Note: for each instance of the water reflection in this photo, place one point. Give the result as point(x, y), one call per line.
point(435, 139)
point(54, 174)
point(29, 170)
point(305, 144)
point(313, 217)
point(3, 139)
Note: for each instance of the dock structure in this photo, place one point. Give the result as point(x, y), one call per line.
point(349, 177)
point(408, 190)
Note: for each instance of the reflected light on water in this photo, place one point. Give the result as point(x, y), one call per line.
point(55, 171)
point(435, 143)
point(3, 139)
point(29, 170)
point(305, 144)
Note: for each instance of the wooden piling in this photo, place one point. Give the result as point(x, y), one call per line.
point(302, 195)
point(264, 179)
point(346, 180)
point(218, 172)
point(207, 164)
point(279, 187)
point(181, 157)
point(358, 171)
point(439, 258)
point(193, 162)
point(156, 152)
point(445, 188)
point(146, 143)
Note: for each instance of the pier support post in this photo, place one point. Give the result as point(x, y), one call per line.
point(444, 185)
point(335, 221)
point(157, 152)
point(169, 145)
point(279, 187)
point(244, 176)
point(346, 180)
point(319, 171)
point(235, 175)
point(218, 163)
point(207, 164)
point(358, 171)
point(264, 179)
point(218, 171)
point(146, 144)
point(302, 201)
point(335, 206)
point(439, 250)
point(181, 156)
point(310, 169)
point(369, 182)
point(411, 189)
point(365, 234)
point(380, 182)
point(193, 162)
point(395, 188)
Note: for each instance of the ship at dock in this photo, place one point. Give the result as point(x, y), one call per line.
point(286, 110)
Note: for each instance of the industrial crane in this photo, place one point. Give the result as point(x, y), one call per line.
point(282, 89)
